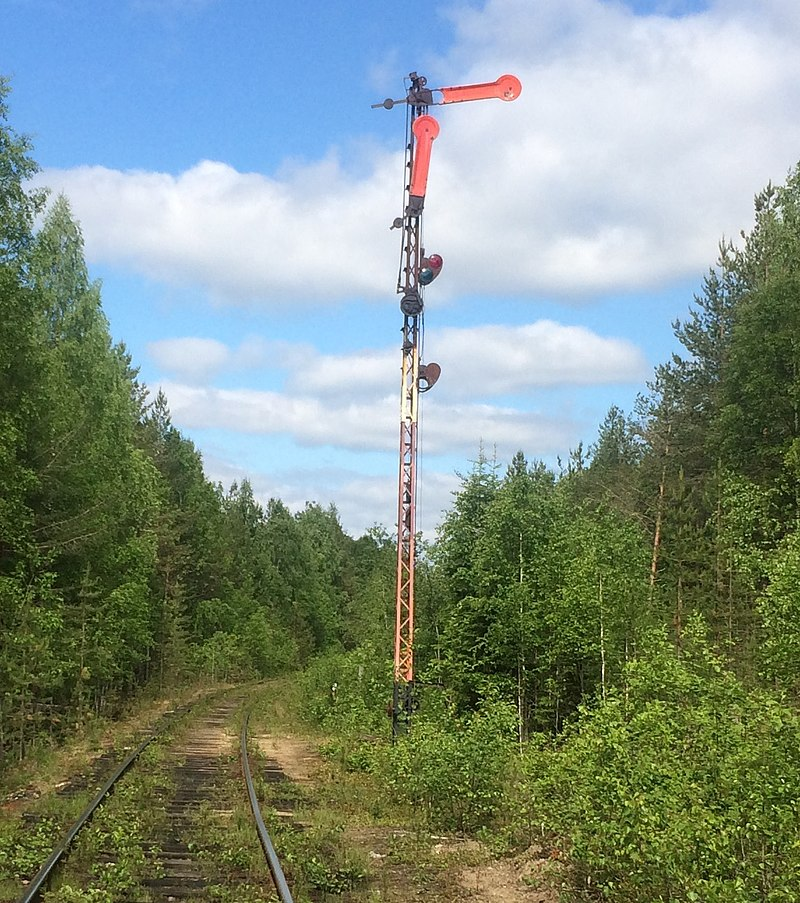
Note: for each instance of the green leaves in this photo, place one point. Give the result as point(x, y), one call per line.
point(454, 774)
point(18, 204)
point(683, 784)
point(553, 600)
point(779, 607)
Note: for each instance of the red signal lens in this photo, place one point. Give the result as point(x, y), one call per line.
point(430, 267)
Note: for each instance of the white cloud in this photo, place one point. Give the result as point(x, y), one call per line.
point(365, 426)
point(500, 360)
point(637, 142)
point(193, 359)
point(242, 236)
point(199, 360)
point(363, 501)
point(480, 361)
point(365, 372)
point(308, 420)
point(346, 403)
point(462, 428)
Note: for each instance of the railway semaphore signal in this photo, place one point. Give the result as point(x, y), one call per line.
point(417, 271)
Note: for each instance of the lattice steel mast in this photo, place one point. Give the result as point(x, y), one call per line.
point(417, 271)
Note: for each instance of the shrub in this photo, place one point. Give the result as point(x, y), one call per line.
point(454, 773)
point(683, 786)
point(347, 692)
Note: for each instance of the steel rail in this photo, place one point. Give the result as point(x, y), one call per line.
point(37, 883)
point(269, 850)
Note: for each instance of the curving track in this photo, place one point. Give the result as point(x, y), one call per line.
point(194, 779)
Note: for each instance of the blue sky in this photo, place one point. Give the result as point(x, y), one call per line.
point(235, 191)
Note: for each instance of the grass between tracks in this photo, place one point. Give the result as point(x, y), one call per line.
point(218, 836)
point(42, 797)
point(109, 854)
point(342, 834)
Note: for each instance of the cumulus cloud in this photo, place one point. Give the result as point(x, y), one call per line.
point(486, 360)
point(241, 236)
point(308, 420)
point(199, 360)
point(638, 142)
point(503, 360)
point(365, 426)
point(462, 428)
point(368, 371)
point(363, 501)
point(348, 403)
point(339, 403)
point(194, 359)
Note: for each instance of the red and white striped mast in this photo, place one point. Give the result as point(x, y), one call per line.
point(417, 271)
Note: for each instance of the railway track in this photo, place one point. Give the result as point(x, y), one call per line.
point(172, 824)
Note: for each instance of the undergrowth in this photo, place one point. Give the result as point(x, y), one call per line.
point(680, 784)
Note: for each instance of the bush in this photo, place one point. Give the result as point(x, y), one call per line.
point(453, 774)
point(683, 786)
point(347, 692)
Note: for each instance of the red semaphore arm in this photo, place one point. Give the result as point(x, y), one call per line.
point(507, 87)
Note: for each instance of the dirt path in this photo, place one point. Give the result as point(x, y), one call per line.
point(405, 864)
point(297, 757)
point(526, 878)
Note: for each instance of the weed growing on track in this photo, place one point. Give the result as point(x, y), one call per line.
point(316, 857)
point(23, 847)
point(228, 848)
point(27, 840)
point(108, 855)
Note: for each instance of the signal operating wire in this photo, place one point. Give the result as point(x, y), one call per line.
point(406, 178)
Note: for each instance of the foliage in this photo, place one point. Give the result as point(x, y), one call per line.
point(554, 604)
point(23, 849)
point(120, 563)
point(452, 775)
point(18, 204)
point(317, 860)
point(348, 693)
point(682, 786)
point(108, 861)
point(779, 607)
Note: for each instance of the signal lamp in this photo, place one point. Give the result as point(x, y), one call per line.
point(430, 268)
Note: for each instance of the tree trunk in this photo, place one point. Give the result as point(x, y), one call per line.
point(662, 488)
point(602, 643)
